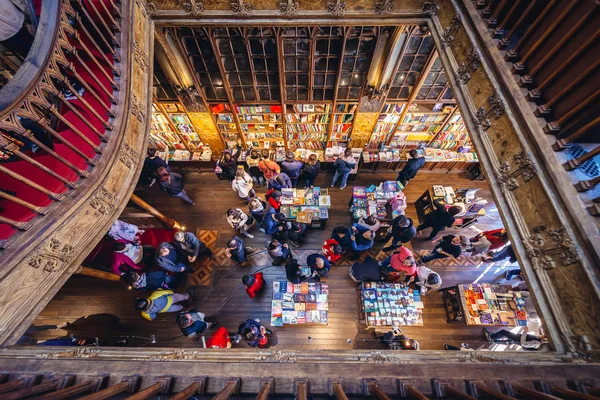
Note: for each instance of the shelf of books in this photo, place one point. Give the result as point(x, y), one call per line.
point(163, 137)
point(387, 121)
point(420, 124)
point(394, 154)
point(226, 124)
point(307, 125)
point(262, 126)
point(453, 135)
point(343, 118)
point(194, 148)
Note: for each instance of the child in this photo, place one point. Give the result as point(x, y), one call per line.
point(254, 284)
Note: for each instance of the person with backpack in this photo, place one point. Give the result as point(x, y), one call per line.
point(427, 279)
point(240, 221)
point(411, 168)
point(280, 253)
point(280, 181)
point(310, 171)
point(343, 165)
point(292, 168)
point(193, 323)
point(269, 168)
point(242, 184)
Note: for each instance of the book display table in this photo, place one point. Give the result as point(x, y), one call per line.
point(387, 304)
point(309, 206)
point(374, 200)
point(300, 303)
point(491, 305)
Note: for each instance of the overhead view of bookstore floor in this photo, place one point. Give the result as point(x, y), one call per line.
point(307, 268)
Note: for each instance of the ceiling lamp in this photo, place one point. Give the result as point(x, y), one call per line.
point(385, 58)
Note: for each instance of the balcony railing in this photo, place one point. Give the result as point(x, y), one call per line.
point(552, 47)
point(56, 113)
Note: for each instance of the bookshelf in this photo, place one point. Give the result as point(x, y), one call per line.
point(342, 122)
point(385, 125)
point(307, 125)
point(162, 136)
point(421, 123)
point(453, 135)
point(226, 124)
point(261, 125)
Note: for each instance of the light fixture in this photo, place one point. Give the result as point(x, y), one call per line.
point(387, 52)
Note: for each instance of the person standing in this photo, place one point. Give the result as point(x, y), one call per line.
point(239, 221)
point(189, 247)
point(401, 265)
point(280, 253)
point(362, 239)
point(126, 258)
point(448, 246)
point(193, 323)
point(318, 264)
point(152, 163)
point(343, 165)
point(236, 250)
point(13, 31)
point(269, 168)
point(228, 163)
point(255, 284)
point(332, 250)
point(258, 210)
point(274, 223)
point(151, 280)
point(252, 160)
point(413, 165)
point(172, 183)
point(274, 198)
point(292, 168)
point(427, 279)
point(280, 181)
point(242, 185)
point(439, 219)
point(160, 301)
point(296, 233)
point(310, 171)
point(168, 259)
point(342, 236)
point(253, 333)
point(401, 231)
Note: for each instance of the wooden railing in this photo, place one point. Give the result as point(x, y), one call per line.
point(552, 47)
point(57, 112)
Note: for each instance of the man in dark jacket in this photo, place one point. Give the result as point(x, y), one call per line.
point(280, 253)
point(362, 239)
point(151, 165)
point(280, 181)
point(274, 223)
point(411, 168)
point(439, 219)
point(342, 235)
point(292, 168)
point(192, 323)
point(401, 231)
point(236, 250)
point(172, 183)
point(311, 170)
point(151, 280)
point(448, 246)
point(188, 246)
point(228, 163)
point(318, 264)
point(167, 258)
point(342, 166)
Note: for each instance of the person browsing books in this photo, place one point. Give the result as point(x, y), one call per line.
point(413, 165)
point(318, 264)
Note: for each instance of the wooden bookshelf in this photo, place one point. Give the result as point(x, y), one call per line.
point(162, 136)
point(307, 125)
point(386, 123)
point(453, 134)
point(261, 125)
point(342, 122)
point(420, 123)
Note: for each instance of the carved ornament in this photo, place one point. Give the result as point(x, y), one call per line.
point(240, 7)
point(543, 244)
point(147, 7)
point(278, 356)
point(495, 110)
point(522, 166)
point(103, 201)
point(384, 7)
point(139, 55)
point(53, 257)
point(81, 352)
point(195, 8)
point(127, 156)
point(471, 64)
point(455, 25)
point(289, 7)
point(431, 8)
point(337, 8)
point(137, 109)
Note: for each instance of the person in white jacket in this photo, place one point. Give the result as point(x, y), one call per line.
point(427, 279)
point(242, 185)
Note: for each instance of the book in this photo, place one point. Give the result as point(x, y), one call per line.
point(287, 196)
point(304, 288)
point(324, 201)
point(305, 217)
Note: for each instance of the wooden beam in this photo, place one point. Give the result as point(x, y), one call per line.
point(282, 92)
point(377, 392)
point(265, 389)
point(523, 391)
point(148, 392)
point(96, 273)
point(12, 385)
point(455, 394)
point(108, 392)
point(33, 390)
point(337, 83)
point(572, 394)
point(339, 391)
point(171, 223)
point(68, 392)
point(187, 392)
point(578, 162)
point(578, 134)
point(301, 390)
point(493, 393)
point(227, 391)
point(412, 391)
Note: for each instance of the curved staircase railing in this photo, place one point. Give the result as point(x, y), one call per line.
point(73, 132)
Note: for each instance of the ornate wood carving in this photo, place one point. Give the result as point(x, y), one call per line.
point(384, 7)
point(137, 108)
point(127, 156)
point(522, 166)
point(140, 56)
point(241, 7)
point(194, 8)
point(288, 7)
point(448, 35)
point(337, 8)
point(431, 8)
point(53, 257)
point(103, 201)
point(147, 7)
point(471, 64)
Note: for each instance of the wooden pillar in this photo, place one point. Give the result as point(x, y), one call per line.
point(31, 391)
point(68, 392)
point(187, 392)
point(413, 392)
point(171, 223)
point(108, 392)
point(339, 391)
point(578, 162)
point(561, 144)
point(12, 385)
point(584, 186)
point(301, 391)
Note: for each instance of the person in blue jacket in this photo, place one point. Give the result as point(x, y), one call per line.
point(342, 235)
point(343, 165)
point(280, 253)
point(274, 223)
point(362, 239)
point(280, 181)
point(292, 168)
point(318, 264)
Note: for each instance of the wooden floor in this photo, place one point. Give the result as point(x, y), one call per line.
point(104, 309)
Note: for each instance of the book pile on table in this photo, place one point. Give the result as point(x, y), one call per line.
point(488, 304)
point(295, 202)
point(300, 303)
point(387, 304)
point(372, 200)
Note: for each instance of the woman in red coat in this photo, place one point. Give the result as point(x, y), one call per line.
point(254, 284)
point(219, 339)
point(332, 250)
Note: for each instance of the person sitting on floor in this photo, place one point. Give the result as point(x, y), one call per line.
point(401, 231)
point(253, 333)
point(160, 301)
point(296, 233)
point(440, 219)
point(236, 250)
point(293, 272)
point(168, 260)
point(342, 236)
point(280, 181)
point(274, 223)
point(172, 183)
point(427, 279)
point(242, 184)
point(274, 198)
point(151, 280)
point(189, 247)
point(530, 337)
point(292, 167)
point(254, 283)
point(362, 239)
point(258, 210)
point(193, 323)
point(448, 246)
point(401, 264)
point(280, 253)
point(319, 265)
point(240, 221)
point(332, 250)
point(122, 261)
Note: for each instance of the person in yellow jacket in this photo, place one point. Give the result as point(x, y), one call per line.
point(160, 301)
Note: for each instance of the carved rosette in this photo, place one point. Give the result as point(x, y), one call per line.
point(127, 156)
point(336, 9)
point(471, 64)
point(137, 109)
point(195, 8)
point(431, 8)
point(495, 110)
point(139, 55)
point(455, 25)
point(240, 7)
point(566, 248)
point(505, 179)
point(384, 7)
point(289, 7)
point(103, 201)
point(53, 257)
point(541, 247)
